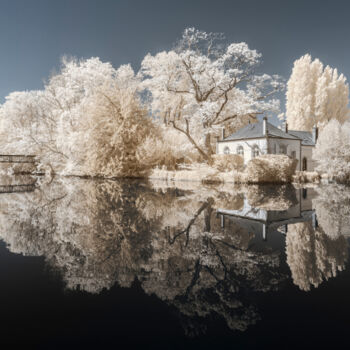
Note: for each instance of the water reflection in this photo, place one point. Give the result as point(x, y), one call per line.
point(203, 250)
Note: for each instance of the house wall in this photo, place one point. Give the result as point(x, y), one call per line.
point(305, 197)
point(306, 151)
point(292, 145)
point(271, 146)
point(247, 147)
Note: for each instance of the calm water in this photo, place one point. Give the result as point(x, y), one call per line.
point(116, 264)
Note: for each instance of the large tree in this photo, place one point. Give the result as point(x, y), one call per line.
point(88, 120)
point(332, 151)
point(315, 95)
point(203, 84)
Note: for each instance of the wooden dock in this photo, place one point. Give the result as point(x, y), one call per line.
point(17, 158)
point(17, 188)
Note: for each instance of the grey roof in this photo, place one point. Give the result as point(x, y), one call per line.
point(253, 131)
point(305, 136)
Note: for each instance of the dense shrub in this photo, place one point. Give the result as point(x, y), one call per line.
point(270, 168)
point(306, 177)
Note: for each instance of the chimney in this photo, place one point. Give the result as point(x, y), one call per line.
point(265, 125)
point(222, 133)
point(285, 127)
point(314, 134)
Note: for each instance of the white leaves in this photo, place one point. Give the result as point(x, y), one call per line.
point(206, 83)
point(315, 95)
point(88, 120)
point(332, 151)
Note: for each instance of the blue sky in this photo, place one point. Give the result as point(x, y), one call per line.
point(35, 34)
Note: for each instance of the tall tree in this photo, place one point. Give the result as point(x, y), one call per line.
point(203, 84)
point(332, 151)
point(315, 95)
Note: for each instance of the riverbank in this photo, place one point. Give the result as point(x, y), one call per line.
point(271, 169)
point(208, 175)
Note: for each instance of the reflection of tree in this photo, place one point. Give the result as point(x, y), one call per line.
point(85, 229)
point(313, 256)
point(97, 233)
point(203, 269)
point(332, 206)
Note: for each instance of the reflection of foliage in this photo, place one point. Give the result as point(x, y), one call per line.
point(98, 233)
point(85, 229)
point(271, 197)
point(332, 206)
point(201, 271)
point(313, 256)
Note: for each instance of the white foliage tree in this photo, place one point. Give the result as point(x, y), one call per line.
point(315, 94)
point(26, 124)
point(88, 120)
point(332, 151)
point(313, 256)
point(114, 127)
point(203, 85)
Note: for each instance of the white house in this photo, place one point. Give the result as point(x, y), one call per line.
point(265, 138)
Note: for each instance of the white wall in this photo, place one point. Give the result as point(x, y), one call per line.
point(271, 146)
point(247, 147)
point(292, 145)
point(306, 151)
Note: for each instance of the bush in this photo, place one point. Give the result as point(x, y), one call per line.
point(306, 177)
point(271, 168)
point(271, 197)
point(228, 162)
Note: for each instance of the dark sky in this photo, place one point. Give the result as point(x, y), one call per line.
point(35, 34)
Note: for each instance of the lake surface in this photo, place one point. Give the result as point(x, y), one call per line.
point(116, 264)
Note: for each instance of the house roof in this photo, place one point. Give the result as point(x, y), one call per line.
point(253, 131)
point(305, 136)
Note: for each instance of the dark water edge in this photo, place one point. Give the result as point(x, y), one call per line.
point(55, 293)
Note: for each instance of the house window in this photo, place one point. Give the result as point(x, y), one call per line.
point(304, 193)
point(293, 154)
point(304, 164)
point(226, 150)
point(283, 149)
point(240, 151)
point(255, 151)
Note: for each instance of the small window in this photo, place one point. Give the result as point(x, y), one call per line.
point(304, 164)
point(293, 154)
point(283, 149)
point(226, 150)
point(240, 151)
point(255, 151)
point(304, 193)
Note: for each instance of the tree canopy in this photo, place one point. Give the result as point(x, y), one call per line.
point(315, 95)
point(204, 83)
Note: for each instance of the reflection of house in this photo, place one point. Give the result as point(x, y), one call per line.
point(264, 138)
point(260, 220)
